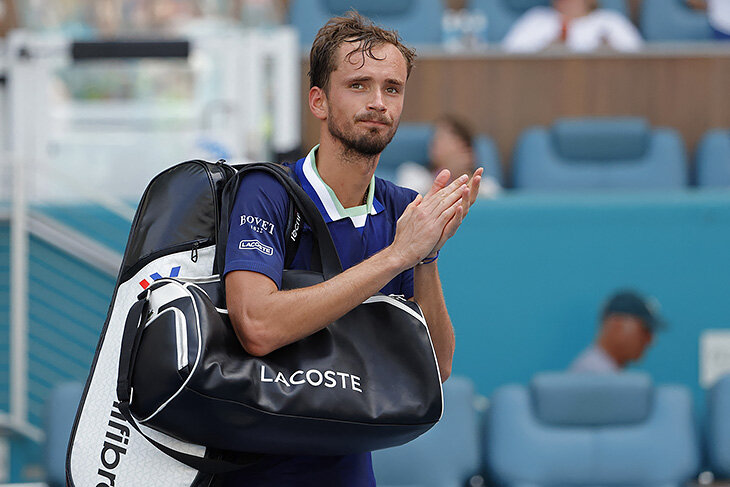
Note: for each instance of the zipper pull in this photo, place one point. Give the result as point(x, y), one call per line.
point(194, 254)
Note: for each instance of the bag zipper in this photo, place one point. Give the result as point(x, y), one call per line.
point(192, 245)
point(194, 253)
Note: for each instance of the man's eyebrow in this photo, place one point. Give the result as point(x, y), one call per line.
point(356, 79)
point(359, 78)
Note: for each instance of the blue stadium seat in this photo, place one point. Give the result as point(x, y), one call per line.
point(411, 143)
point(718, 427)
point(712, 162)
point(583, 429)
point(599, 153)
point(59, 418)
point(417, 21)
point(501, 14)
point(673, 20)
point(446, 456)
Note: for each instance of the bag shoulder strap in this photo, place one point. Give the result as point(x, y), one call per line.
point(292, 234)
point(301, 203)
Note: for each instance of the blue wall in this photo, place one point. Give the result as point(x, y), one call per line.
point(526, 274)
point(67, 307)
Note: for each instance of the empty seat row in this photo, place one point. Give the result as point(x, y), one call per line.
point(587, 429)
point(561, 429)
point(419, 21)
point(713, 159)
point(566, 429)
point(608, 153)
point(585, 154)
point(598, 154)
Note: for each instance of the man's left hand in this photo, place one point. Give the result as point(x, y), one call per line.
point(450, 229)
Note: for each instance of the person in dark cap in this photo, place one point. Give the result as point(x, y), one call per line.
point(628, 323)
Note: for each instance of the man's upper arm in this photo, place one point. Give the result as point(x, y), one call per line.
point(257, 226)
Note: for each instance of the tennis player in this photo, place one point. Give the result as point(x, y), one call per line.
point(388, 238)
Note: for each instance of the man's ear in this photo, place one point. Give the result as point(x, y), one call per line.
point(318, 102)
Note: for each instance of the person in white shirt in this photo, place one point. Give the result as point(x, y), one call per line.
point(718, 13)
point(451, 147)
point(628, 324)
point(579, 24)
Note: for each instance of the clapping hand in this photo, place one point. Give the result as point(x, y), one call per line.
point(429, 221)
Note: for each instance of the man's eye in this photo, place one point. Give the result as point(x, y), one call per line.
point(356, 86)
point(392, 90)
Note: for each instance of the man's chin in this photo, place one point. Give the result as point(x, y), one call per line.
point(368, 145)
point(373, 147)
point(369, 142)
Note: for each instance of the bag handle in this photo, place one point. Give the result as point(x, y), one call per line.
point(130, 342)
point(329, 258)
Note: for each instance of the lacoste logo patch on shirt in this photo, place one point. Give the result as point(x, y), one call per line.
point(255, 245)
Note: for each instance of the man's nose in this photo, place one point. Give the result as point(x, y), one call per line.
point(376, 101)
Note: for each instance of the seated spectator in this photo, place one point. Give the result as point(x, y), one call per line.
point(718, 14)
point(579, 24)
point(451, 148)
point(628, 324)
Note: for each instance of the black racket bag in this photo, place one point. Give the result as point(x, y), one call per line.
point(186, 390)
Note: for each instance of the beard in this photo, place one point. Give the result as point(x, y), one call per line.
point(369, 144)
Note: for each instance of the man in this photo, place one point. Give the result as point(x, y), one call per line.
point(628, 324)
point(382, 232)
point(579, 24)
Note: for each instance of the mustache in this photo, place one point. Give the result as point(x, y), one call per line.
point(374, 118)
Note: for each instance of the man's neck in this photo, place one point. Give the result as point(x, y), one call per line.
point(346, 172)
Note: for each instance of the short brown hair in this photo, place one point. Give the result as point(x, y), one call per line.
point(459, 127)
point(358, 30)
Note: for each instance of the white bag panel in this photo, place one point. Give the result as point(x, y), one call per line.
point(128, 458)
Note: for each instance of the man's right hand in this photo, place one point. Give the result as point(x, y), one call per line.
point(422, 224)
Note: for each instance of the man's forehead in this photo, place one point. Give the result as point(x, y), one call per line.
point(388, 56)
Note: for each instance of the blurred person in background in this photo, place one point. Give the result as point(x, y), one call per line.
point(451, 148)
point(578, 24)
point(8, 17)
point(718, 12)
point(718, 15)
point(628, 323)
